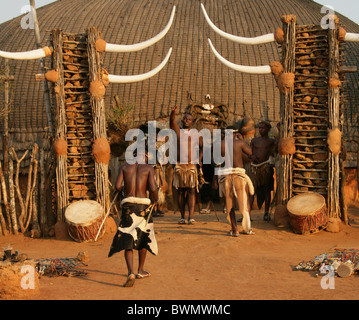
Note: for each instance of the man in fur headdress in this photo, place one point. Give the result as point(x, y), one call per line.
point(136, 227)
point(261, 172)
point(185, 178)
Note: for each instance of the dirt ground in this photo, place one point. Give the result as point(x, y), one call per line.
point(199, 262)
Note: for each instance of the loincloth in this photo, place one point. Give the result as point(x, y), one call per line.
point(262, 175)
point(263, 180)
point(185, 176)
point(136, 229)
point(234, 183)
point(227, 181)
point(161, 184)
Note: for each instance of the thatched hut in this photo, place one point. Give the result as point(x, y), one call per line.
point(191, 75)
point(192, 72)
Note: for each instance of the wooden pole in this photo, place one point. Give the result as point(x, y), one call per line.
point(12, 197)
point(43, 216)
point(6, 118)
point(99, 116)
point(106, 215)
point(62, 187)
point(42, 68)
point(286, 109)
point(3, 228)
point(334, 122)
point(5, 197)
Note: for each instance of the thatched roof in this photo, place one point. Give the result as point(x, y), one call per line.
point(192, 71)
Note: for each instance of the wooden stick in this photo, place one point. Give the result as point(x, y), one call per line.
point(12, 197)
point(286, 113)
point(334, 122)
point(3, 228)
point(6, 118)
point(42, 68)
point(108, 212)
point(17, 186)
point(28, 189)
point(31, 191)
point(5, 198)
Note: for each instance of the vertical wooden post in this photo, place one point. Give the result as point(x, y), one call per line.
point(43, 216)
point(334, 122)
point(3, 227)
point(99, 116)
point(5, 174)
point(6, 118)
point(12, 196)
point(284, 191)
point(61, 128)
point(42, 68)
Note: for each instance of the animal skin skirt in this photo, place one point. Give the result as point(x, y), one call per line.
point(136, 230)
point(185, 176)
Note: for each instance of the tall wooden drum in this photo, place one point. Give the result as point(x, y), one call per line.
point(84, 218)
point(307, 213)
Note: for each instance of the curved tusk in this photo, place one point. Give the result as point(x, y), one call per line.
point(354, 37)
point(142, 45)
point(27, 55)
point(240, 68)
point(140, 77)
point(243, 40)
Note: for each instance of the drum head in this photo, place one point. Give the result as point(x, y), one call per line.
point(306, 204)
point(83, 212)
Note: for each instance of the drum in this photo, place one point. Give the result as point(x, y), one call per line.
point(307, 213)
point(84, 218)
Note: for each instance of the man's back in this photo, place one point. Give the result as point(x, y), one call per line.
point(239, 146)
point(137, 178)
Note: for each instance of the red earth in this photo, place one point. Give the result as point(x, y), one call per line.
point(199, 262)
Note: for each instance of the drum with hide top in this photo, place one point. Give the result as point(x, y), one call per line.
point(84, 218)
point(307, 213)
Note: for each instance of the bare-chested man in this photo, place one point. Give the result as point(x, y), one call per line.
point(261, 168)
point(235, 184)
point(136, 227)
point(185, 174)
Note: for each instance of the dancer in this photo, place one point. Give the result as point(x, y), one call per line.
point(185, 178)
point(235, 184)
point(136, 228)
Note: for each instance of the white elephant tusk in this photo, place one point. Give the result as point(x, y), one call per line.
point(140, 77)
point(242, 40)
point(142, 45)
point(240, 68)
point(27, 55)
point(354, 37)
